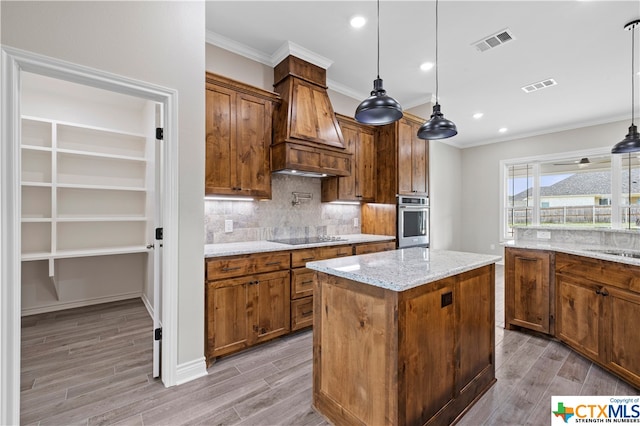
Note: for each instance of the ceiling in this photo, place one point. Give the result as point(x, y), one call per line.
point(582, 45)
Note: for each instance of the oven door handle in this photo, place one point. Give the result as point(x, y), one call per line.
point(414, 207)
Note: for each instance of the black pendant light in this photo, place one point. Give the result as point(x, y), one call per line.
point(378, 109)
point(631, 142)
point(437, 127)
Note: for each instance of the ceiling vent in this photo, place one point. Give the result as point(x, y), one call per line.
point(494, 40)
point(539, 85)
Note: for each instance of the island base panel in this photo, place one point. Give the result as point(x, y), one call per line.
point(386, 357)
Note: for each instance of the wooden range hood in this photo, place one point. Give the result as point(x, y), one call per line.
point(306, 134)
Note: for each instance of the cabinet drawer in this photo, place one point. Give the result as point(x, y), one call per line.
point(336, 251)
point(611, 273)
point(375, 247)
point(301, 313)
point(247, 264)
point(302, 282)
point(299, 258)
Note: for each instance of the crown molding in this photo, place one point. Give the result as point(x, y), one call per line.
point(290, 48)
point(345, 90)
point(238, 48)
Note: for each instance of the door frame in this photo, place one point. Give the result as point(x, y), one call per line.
point(13, 63)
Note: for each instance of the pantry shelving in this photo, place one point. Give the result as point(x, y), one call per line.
point(84, 191)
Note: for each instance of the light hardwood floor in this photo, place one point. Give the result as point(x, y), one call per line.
point(92, 366)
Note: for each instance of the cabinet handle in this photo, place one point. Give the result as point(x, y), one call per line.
point(308, 258)
point(602, 291)
point(343, 254)
point(254, 282)
point(272, 263)
point(231, 269)
point(236, 188)
point(306, 314)
point(307, 282)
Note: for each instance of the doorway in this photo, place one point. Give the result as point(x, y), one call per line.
point(68, 232)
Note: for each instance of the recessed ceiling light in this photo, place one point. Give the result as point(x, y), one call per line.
point(478, 115)
point(426, 66)
point(502, 129)
point(358, 21)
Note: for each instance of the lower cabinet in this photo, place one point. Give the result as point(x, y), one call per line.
point(416, 357)
point(247, 310)
point(253, 298)
point(374, 247)
point(598, 310)
point(247, 301)
point(529, 289)
point(302, 280)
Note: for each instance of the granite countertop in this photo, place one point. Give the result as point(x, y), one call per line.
point(595, 251)
point(250, 247)
point(400, 270)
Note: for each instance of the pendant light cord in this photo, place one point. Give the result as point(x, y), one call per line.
point(633, 76)
point(378, 38)
point(437, 97)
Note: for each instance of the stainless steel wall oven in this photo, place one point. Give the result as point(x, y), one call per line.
point(413, 221)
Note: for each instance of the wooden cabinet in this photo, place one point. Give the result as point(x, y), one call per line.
point(238, 138)
point(374, 247)
point(529, 289)
point(253, 298)
point(361, 185)
point(402, 160)
point(241, 309)
point(416, 357)
point(302, 280)
point(579, 312)
point(598, 309)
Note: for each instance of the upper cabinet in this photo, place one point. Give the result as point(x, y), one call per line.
point(238, 137)
point(402, 160)
point(361, 185)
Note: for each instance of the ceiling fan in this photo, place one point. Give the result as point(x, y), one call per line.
point(583, 162)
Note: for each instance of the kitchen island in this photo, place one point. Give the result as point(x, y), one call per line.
point(404, 337)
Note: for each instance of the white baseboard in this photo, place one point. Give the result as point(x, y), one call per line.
point(147, 304)
point(191, 370)
point(78, 304)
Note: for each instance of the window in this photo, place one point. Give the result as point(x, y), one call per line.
point(630, 191)
point(572, 191)
point(518, 209)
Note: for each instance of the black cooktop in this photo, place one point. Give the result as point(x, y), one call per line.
point(306, 240)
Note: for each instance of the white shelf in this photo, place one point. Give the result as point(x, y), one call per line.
point(38, 184)
point(103, 219)
point(84, 190)
point(101, 187)
point(36, 133)
point(99, 155)
point(65, 254)
point(36, 148)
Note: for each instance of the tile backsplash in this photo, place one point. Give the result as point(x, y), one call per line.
point(278, 218)
point(620, 238)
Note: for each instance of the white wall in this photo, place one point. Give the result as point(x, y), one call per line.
point(481, 176)
point(156, 42)
point(446, 199)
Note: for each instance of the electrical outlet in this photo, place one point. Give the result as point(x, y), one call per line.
point(492, 246)
point(544, 235)
point(228, 225)
point(356, 222)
